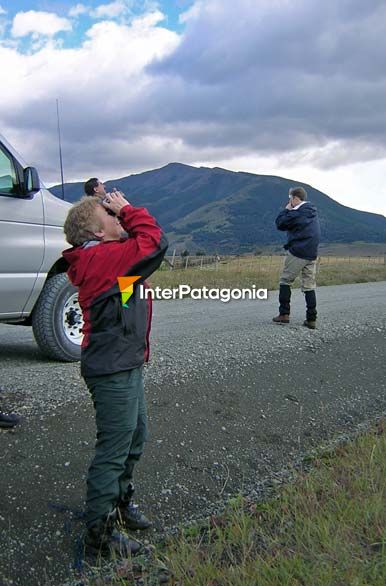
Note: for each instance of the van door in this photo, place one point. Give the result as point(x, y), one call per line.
point(21, 237)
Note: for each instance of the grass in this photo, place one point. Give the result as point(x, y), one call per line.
point(327, 528)
point(264, 271)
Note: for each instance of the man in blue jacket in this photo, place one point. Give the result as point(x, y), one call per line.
point(300, 220)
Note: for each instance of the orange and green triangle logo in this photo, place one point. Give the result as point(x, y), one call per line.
point(126, 288)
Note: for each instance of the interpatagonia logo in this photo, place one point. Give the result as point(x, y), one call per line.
point(126, 287)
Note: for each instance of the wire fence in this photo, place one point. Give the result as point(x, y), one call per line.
point(216, 262)
point(264, 270)
point(184, 262)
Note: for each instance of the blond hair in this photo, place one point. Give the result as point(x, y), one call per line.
point(82, 221)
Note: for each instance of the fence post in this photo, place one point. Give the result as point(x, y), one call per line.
point(172, 263)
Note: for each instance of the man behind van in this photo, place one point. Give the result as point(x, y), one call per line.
point(94, 186)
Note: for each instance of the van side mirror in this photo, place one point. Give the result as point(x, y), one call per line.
point(31, 180)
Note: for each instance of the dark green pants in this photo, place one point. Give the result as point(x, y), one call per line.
point(120, 414)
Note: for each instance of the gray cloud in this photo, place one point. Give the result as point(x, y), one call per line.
point(297, 73)
point(273, 77)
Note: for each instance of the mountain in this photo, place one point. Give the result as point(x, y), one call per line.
point(230, 212)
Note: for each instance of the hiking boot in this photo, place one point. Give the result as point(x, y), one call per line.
point(311, 324)
point(129, 514)
point(311, 312)
point(103, 539)
point(132, 518)
point(8, 420)
point(281, 319)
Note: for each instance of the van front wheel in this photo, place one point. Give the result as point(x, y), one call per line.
point(57, 320)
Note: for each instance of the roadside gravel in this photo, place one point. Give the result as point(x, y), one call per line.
point(233, 399)
point(192, 339)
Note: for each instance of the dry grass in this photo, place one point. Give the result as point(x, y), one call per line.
point(264, 271)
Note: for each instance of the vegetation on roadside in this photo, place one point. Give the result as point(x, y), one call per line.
point(264, 271)
point(326, 528)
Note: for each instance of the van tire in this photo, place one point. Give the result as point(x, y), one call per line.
point(48, 317)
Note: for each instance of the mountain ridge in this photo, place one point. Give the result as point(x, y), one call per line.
point(215, 209)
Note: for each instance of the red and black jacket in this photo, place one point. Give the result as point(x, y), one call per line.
point(116, 338)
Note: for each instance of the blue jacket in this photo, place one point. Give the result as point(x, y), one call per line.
point(303, 230)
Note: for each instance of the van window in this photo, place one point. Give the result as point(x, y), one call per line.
point(8, 180)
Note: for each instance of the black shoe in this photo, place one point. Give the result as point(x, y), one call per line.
point(132, 518)
point(129, 514)
point(311, 324)
point(103, 539)
point(8, 420)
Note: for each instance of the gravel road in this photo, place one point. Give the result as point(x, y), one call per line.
point(233, 400)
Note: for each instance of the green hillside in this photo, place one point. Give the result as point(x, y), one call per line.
point(219, 210)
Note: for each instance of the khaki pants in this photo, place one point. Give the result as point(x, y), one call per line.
point(293, 267)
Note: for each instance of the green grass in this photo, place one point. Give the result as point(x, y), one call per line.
point(328, 528)
point(325, 528)
point(264, 271)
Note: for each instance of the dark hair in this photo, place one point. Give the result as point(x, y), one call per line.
point(299, 192)
point(90, 185)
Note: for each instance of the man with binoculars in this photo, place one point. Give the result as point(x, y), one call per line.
point(300, 220)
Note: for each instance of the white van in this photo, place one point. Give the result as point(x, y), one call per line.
point(34, 288)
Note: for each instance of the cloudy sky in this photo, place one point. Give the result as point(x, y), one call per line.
point(295, 88)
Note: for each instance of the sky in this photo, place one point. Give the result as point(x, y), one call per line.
point(295, 88)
